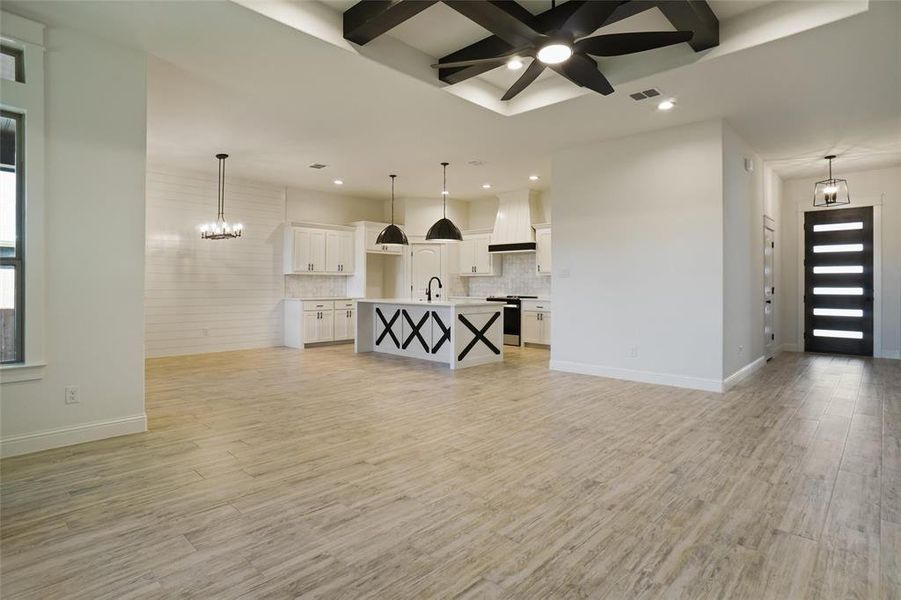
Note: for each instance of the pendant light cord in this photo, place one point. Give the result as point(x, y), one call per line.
point(392, 197)
point(444, 190)
point(221, 215)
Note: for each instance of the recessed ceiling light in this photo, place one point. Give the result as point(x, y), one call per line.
point(666, 105)
point(486, 186)
point(338, 182)
point(514, 64)
point(554, 54)
point(534, 177)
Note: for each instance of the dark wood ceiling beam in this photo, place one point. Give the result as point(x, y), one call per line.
point(696, 16)
point(368, 19)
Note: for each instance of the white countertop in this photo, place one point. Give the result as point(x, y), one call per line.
point(322, 299)
point(407, 301)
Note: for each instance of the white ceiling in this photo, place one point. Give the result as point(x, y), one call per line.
point(224, 78)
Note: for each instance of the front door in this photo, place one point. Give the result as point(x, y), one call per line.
point(426, 261)
point(838, 281)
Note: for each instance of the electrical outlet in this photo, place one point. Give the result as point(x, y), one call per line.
point(741, 349)
point(633, 352)
point(205, 332)
point(73, 394)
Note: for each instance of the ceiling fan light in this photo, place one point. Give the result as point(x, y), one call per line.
point(666, 105)
point(514, 64)
point(555, 53)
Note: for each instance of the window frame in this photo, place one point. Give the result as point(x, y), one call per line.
point(18, 261)
point(18, 55)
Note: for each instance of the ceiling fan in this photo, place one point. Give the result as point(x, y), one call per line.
point(564, 48)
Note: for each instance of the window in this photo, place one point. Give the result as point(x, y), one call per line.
point(12, 64)
point(11, 225)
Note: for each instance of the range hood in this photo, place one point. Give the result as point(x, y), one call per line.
point(513, 225)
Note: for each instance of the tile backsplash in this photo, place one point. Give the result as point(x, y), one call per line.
point(517, 277)
point(315, 286)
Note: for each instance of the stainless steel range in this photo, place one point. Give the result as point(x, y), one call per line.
point(512, 317)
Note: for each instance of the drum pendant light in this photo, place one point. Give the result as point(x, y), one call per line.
point(444, 229)
point(831, 192)
point(392, 234)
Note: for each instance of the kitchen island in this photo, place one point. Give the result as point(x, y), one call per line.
point(459, 333)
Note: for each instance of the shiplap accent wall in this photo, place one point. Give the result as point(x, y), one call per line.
point(211, 295)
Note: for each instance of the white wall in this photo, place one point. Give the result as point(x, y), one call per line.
point(334, 209)
point(742, 255)
point(421, 213)
point(94, 191)
point(482, 213)
point(212, 295)
point(881, 187)
point(638, 257)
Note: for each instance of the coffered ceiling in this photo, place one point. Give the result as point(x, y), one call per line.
point(277, 89)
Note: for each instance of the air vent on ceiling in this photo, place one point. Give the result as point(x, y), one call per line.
point(317, 166)
point(637, 96)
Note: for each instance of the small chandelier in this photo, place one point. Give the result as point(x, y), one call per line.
point(444, 229)
point(221, 229)
point(392, 234)
point(831, 192)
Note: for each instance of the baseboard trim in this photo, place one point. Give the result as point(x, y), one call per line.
point(681, 381)
point(787, 347)
point(67, 436)
point(892, 354)
point(732, 380)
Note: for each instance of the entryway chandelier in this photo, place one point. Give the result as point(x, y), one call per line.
point(832, 191)
point(221, 229)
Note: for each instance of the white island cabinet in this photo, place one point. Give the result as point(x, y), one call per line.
point(462, 333)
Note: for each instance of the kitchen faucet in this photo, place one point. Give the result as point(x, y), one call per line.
point(428, 289)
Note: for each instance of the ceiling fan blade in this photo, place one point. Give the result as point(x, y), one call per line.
point(589, 17)
point(583, 71)
point(491, 15)
point(522, 53)
point(617, 44)
point(531, 74)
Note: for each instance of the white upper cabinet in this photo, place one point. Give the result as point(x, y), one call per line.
point(473, 257)
point(339, 251)
point(543, 247)
point(319, 250)
point(298, 240)
point(372, 233)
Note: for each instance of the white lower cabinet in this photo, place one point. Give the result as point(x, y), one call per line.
point(318, 326)
point(536, 322)
point(316, 321)
point(345, 319)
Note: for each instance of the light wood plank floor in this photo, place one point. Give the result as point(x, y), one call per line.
point(281, 474)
